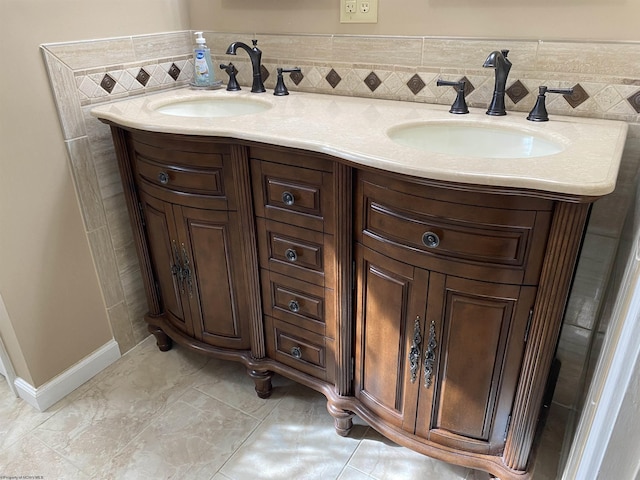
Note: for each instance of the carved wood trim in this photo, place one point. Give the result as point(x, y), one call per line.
point(242, 179)
point(565, 240)
point(125, 165)
point(343, 271)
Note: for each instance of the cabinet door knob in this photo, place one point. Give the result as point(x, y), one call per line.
point(291, 254)
point(296, 352)
point(430, 239)
point(163, 178)
point(288, 198)
point(294, 306)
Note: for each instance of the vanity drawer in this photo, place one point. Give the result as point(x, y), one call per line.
point(298, 303)
point(184, 176)
point(491, 243)
point(295, 195)
point(295, 251)
point(298, 348)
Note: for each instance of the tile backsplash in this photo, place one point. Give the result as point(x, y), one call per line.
point(605, 78)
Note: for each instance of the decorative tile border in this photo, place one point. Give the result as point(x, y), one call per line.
point(605, 77)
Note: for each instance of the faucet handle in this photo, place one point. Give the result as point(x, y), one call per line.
point(281, 88)
point(539, 111)
point(232, 85)
point(459, 105)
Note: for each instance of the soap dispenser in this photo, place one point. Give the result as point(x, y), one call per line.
point(203, 75)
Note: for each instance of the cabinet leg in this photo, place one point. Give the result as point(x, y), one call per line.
point(163, 341)
point(343, 419)
point(262, 379)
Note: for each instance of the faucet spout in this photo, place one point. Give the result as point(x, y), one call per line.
point(255, 55)
point(499, 62)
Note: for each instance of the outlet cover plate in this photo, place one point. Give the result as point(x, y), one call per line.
point(359, 16)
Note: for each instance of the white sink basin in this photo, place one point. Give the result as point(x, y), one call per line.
point(473, 140)
point(213, 107)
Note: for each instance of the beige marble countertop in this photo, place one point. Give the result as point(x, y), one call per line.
point(355, 129)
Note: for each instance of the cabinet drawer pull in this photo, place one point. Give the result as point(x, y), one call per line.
point(288, 199)
point(414, 351)
point(294, 306)
point(296, 352)
point(430, 239)
point(291, 254)
point(430, 355)
point(163, 178)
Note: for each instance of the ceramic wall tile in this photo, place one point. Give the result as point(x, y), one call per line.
point(161, 45)
point(94, 53)
point(121, 327)
point(621, 59)
point(377, 49)
point(65, 94)
point(465, 54)
point(86, 183)
point(105, 262)
point(317, 48)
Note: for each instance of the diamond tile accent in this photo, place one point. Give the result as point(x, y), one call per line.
point(468, 86)
point(579, 96)
point(517, 91)
point(143, 77)
point(416, 84)
point(333, 78)
point(634, 100)
point(264, 72)
point(372, 81)
point(108, 83)
point(174, 71)
point(296, 77)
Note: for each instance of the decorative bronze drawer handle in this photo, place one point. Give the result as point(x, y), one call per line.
point(163, 178)
point(288, 199)
point(430, 355)
point(291, 254)
point(430, 239)
point(294, 306)
point(296, 352)
point(414, 351)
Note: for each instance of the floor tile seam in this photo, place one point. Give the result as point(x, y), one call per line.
point(234, 406)
point(355, 450)
point(60, 454)
point(239, 447)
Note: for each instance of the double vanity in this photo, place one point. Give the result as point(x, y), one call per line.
point(411, 265)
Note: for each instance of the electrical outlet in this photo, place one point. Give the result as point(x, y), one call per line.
point(358, 11)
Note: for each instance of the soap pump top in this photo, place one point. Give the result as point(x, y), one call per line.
point(203, 75)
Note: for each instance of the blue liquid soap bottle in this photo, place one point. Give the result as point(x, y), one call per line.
point(203, 75)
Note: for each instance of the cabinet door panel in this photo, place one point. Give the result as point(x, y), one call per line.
point(476, 321)
point(391, 296)
point(164, 251)
point(210, 240)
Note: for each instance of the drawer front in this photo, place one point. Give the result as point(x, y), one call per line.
point(299, 196)
point(300, 349)
point(296, 252)
point(483, 242)
point(174, 178)
point(298, 303)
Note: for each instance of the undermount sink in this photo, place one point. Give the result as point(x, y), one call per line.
point(473, 141)
point(213, 107)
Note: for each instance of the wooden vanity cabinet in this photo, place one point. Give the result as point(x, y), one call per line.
point(430, 309)
point(187, 199)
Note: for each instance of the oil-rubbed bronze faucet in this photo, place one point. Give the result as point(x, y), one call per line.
point(255, 54)
point(498, 61)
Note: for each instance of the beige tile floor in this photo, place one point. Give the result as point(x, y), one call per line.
point(154, 415)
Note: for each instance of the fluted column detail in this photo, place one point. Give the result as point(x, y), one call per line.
point(242, 182)
point(565, 239)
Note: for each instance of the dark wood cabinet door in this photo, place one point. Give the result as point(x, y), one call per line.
point(166, 258)
point(390, 309)
point(209, 242)
point(480, 329)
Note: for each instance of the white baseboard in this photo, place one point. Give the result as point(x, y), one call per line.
point(62, 385)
